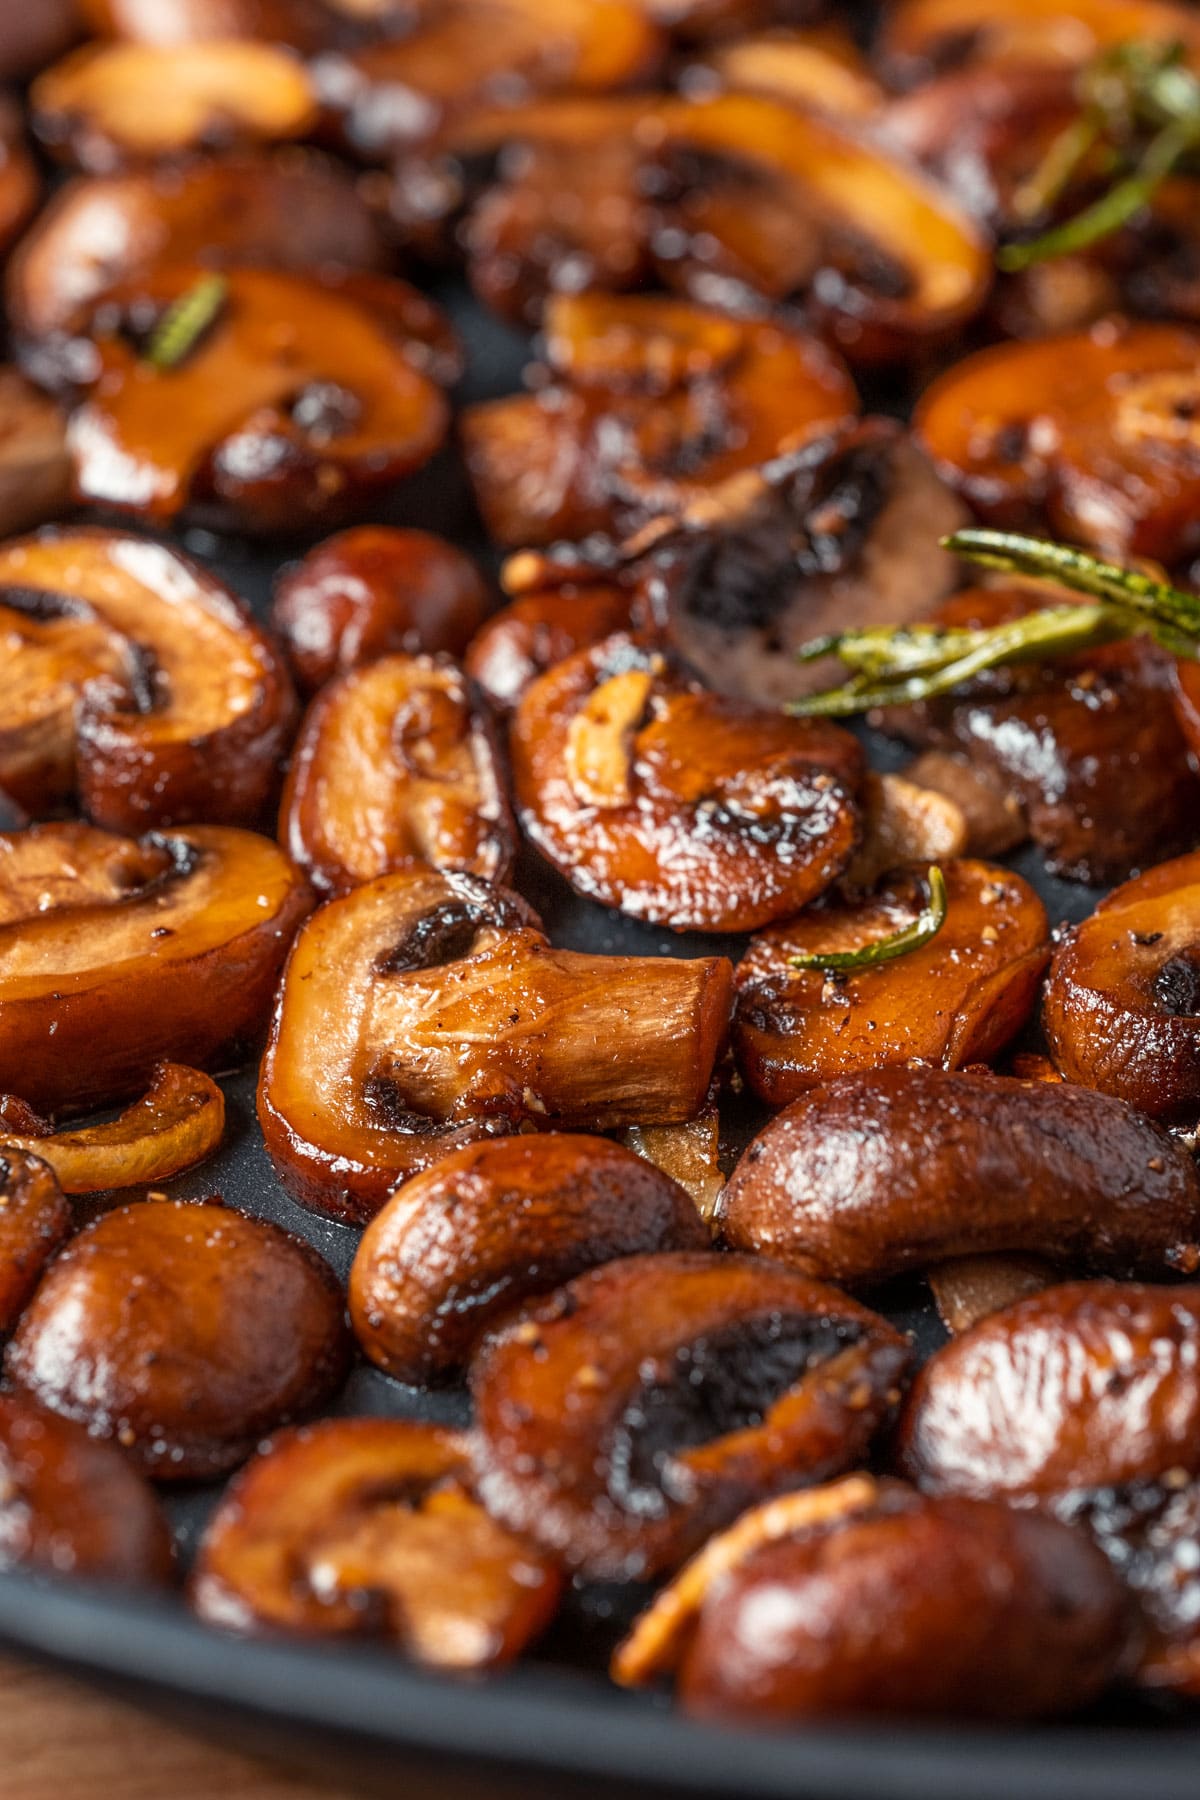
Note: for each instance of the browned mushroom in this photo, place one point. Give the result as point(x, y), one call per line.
point(34, 1221)
point(1122, 1005)
point(373, 591)
point(307, 25)
point(69, 1505)
point(494, 1224)
point(396, 763)
point(920, 36)
point(179, 1121)
point(541, 628)
point(35, 468)
point(892, 1170)
point(969, 1288)
point(31, 35)
point(424, 1010)
point(821, 68)
point(136, 680)
point(677, 805)
point(183, 1332)
point(644, 1404)
point(20, 186)
point(958, 998)
point(365, 1527)
point(116, 954)
point(690, 1153)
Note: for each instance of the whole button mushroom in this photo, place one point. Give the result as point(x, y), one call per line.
point(184, 1331)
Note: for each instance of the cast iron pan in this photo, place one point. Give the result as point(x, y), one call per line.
point(553, 1725)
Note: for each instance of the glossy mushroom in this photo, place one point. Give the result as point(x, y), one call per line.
point(178, 1122)
point(35, 468)
point(35, 1221)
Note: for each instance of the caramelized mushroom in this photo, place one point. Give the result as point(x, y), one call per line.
point(307, 25)
point(34, 1221)
point(958, 998)
point(31, 35)
point(1122, 1005)
point(116, 954)
point(690, 1153)
point(184, 1332)
point(69, 1505)
point(136, 680)
point(20, 187)
point(298, 402)
point(644, 1404)
point(674, 804)
point(294, 210)
point(493, 1224)
point(969, 1288)
point(891, 1170)
point(424, 1010)
point(179, 1121)
point(821, 69)
point(539, 629)
point(35, 469)
point(396, 763)
point(365, 1527)
point(374, 591)
point(1090, 433)
point(920, 36)
point(652, 401)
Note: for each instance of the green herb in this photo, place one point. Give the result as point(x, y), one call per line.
point(185, 322)
point(925, 926)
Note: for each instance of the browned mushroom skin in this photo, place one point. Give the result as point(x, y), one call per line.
point(364, 1527)
point(539, 629)
point(643, 1405)
point(307, 25)
point(293, 210)
point(1122, 1004)
point(183, 1331)
point(70, 1505)
point(31, 35)
point(677, 805)
point(34, 1221)
point(116, 954)
point(1089, 746)
point(493, 1224)
point(372, 591)
point(894, 1169)
point(919, 37)
point(957, 999)
point(138, 682)
point(396, 763)
point(35, 468)
point(912, 1606)
point(465, 1023)
point(20, 186)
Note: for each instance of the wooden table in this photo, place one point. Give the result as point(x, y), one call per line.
point(59, 1741)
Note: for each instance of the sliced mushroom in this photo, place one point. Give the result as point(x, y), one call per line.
point(366, 1527)
point(653, 400)
point(539, 629)
point(374, 591)
point(137, 681)
point(994, 817)
point(969, 1288)
point(821, 69)
point(72, 1506)
point(689, 1153)
point(678, 806)
point(117, 954)
point(178, 1122)
point(643, 1405)
point(215, 1328)
point(494, 1224)
point(20, 185)
point(1122, 1004)
point(293, 210)
point(35, 468)
point(35, 1221)
point(396, 763)
point(423, 1011)
point(299, 402)
point(923, 36)
point(958, 998)
point(892, 1170)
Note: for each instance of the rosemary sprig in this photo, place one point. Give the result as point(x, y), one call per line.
point(924, 927)
point(185, 322)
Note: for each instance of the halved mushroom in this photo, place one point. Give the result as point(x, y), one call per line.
point(35, 469)
point(117, 954)
point(178, 1122)
point(293, 210)
point(653, 400)
point(35, 1221)
point(1091, 433)
point(821, 68)
point(373, 591)
point(30, 36)
point(494, 1224)
point(643, 1405)
point(213, 1328)
point(674, 804)
point(72, 1506)
point(136, 680)
point(396, 763)
point(920, 37)
point(1122, 1004)
point(20, 185)
point(958, 998)
point(895, 1169)
point(366, 1528)
point(425, 1010)
point(107, 105)
point(540, 628)
point(884, 1602)
point(298, 400)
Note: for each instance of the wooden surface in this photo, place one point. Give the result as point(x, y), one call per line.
point(59, 1741)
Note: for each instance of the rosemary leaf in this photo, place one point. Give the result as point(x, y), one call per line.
point(924, 927)
point(185, 322)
